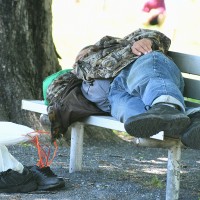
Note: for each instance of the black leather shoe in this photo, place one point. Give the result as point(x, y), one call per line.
point(12, 181)
point(46, 179)
point(158, 118)
point(191, 137)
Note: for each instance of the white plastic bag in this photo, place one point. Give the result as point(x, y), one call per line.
point(7, 161)
point(11, 133)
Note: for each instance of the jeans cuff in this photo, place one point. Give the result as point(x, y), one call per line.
point(168, 99)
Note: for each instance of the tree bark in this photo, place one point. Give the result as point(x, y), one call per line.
point(27, 56)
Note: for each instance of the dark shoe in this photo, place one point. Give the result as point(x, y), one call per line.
point(12, 181)
point(46, 179)
point(191, 137)
point(158, 118)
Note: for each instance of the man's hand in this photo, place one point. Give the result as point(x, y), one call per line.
point(142, 46)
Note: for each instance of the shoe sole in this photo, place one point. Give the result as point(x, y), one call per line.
point(147, 125)
point(191, 138)
point(51, 187)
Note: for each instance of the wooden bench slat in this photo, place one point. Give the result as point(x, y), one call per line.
point(104, 121)
point(187, 63)
point(191, 104)
point(192, 88)
point(37, 106)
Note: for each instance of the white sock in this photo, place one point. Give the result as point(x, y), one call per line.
point(171, 105)
point(170, 101)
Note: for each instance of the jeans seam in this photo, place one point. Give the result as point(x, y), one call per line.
point(158, 74)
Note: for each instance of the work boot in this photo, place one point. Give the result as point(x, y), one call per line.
point(158, 118)
point(46, 179)
point(191, 137)
point(12, 181)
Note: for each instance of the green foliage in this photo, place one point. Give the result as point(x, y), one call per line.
point(155, 182)
point(192, 100)
point(123, 135)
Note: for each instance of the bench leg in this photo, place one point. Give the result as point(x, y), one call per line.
point(173, 172)
point(76, 149)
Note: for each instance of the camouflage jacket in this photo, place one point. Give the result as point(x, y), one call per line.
point(110, 55)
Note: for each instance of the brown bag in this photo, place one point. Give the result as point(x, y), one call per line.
point(72, 107)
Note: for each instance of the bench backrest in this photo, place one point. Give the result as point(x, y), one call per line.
point(190, 67)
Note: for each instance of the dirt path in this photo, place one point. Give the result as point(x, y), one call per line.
point(114, 171)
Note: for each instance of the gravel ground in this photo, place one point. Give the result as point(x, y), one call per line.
point(113, 171)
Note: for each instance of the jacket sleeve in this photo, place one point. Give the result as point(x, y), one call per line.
point(159, 40)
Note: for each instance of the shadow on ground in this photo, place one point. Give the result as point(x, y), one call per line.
point(113, 170)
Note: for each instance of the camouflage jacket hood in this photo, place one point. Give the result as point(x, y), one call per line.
point(110, 55)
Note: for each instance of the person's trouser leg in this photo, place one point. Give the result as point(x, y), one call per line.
point(123, 104)
point(154, 75)
point(151, 78)
point(7, 161)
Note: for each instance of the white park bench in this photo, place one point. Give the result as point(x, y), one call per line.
point(190, 67)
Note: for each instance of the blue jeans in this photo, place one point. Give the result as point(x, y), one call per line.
point(152, 78)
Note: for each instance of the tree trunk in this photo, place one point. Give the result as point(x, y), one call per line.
point(27, 56)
